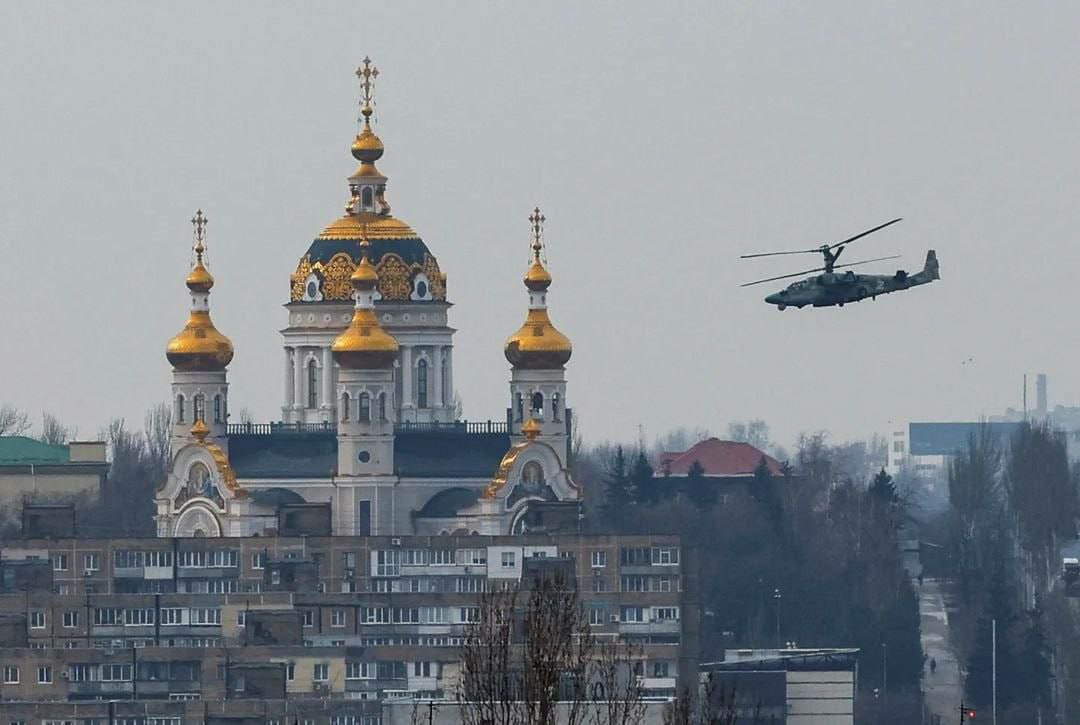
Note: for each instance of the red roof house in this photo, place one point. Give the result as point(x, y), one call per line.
point(718, 458)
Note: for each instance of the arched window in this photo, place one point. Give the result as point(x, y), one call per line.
point(364, 414)
point(446, 393)
point(179, 408)
point(519, 408)
point(367, 198)
point(421, 384)
point(344, 407)
point(555, 406)
point(312, 385)
point(382, 406)
point(219, 414)
point(538, 404)
point(200, 408)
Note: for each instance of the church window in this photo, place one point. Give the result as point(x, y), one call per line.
point(538, 404)
point(382, 406)
point(344, 407)
point(367, 198)
point(179, 408)
point(555, 406)
point(421, 288)
point(421, 384)
point(364, 415)
point(200, 408)
point(312, 385)
point(445, 379)
point(218, 412)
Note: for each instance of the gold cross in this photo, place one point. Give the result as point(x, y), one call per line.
point(367, 73)
point(536, 219)
point(199, 222)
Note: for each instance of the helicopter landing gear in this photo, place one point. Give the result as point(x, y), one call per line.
point(781, 307)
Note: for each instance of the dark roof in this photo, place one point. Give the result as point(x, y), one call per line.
point(425, 454)
point(293, 455)
point(719, 458)
point(411, 251)
point(276, 497)
point(946, 439)
point(446, 503)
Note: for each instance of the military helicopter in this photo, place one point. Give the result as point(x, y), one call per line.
point(838, 288)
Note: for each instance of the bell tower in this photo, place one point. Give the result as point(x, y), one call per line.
point(538, 354)
point(199, 355)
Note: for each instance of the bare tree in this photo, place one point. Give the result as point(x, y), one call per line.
point(53, 431)
point(616, 695)
point(488, 689)
point(13, 422)
point(717, 706)
point(157, 427)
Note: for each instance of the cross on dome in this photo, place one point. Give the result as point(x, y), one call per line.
point(537, 219)
point(367, 73)
point(198, 223)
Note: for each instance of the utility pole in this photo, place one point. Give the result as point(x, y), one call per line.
point(885, 672)
point(776, 598)
point(993, 667)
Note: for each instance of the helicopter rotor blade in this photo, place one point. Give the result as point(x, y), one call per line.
point(863, 234)
point(866, 261)
point(819, 269)
point(783, 276)
point(773, 254)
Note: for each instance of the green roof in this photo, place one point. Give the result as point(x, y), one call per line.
point(23, 451)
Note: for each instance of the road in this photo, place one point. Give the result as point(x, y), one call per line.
point(941, 688)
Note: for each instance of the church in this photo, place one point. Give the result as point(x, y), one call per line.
point(369, 424)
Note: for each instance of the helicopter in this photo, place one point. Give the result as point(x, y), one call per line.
point(833, 288)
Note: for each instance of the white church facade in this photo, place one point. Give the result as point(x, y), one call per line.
point(369, 422)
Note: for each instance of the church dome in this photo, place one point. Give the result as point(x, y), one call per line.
point(199, 346)
point(407, 270)
point(537, 345)
point(365, 345)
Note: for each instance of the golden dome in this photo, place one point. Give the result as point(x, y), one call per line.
point(367, 148)
point(199, 346)
point(531, 429)
point(200, 279)
point(538, 345)
point(364, 345)
point(378, 226)
point(200, 430)
point(537, 278)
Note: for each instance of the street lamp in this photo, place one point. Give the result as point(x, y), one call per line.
point(776, 598)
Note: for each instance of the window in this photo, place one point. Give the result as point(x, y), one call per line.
point(382, 406)
point(470, 584)
point(469, 614)
point(446, 385)
point(37, 619)
point(321, 672)
point(258, 560)
point(179, 408)
point(376, 615)
point(337, 618)
point(386, 563)
point(241, 618)
point(172, 615)
point(555, 406)
point(11, 675)
point(508, 560)
point(442, 557)
point(290, 670)
point(666, 614)
point(60, 562)
point(414, 557)
point(665, 555)
point(309, 617)
point(90, 562)
point(218, 413)
point(359, 671)
point(421, 669)
point(108, 616)
point(116, 673)
point(205, 615)
point(537, 400)
point(345, 407)
point(599, 584)
point(660, 669)
point(71, 619)
point(138, 616)
point(367, 197)
point(312, 385)
point(472, 557)
point(596, 615)
point(200, 407)
point(421, 384)
point(44, 675)
point(432, 615)
point(599, 559)
point(364, 408)
point(633, 614)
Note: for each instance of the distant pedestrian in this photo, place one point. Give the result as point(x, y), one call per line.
point(920, 578)
point(933, 665)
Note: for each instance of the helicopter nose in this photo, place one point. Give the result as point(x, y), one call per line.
point(773, 299)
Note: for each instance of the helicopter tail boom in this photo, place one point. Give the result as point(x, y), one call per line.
point(930, 270)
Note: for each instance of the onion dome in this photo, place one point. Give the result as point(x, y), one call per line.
point(365, 345)
point(538, 345)
point(199, 346)
point(407, 269)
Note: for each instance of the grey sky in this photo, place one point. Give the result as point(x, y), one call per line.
point(662, 140)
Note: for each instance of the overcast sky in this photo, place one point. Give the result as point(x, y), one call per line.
point(662, 140)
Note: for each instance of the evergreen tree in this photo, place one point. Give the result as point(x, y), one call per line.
point(698, 488)
point(1034, 664)
point(765, 490)
point(883, 489)
point(616, 487)
point(980, 676)
point(646, 489)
